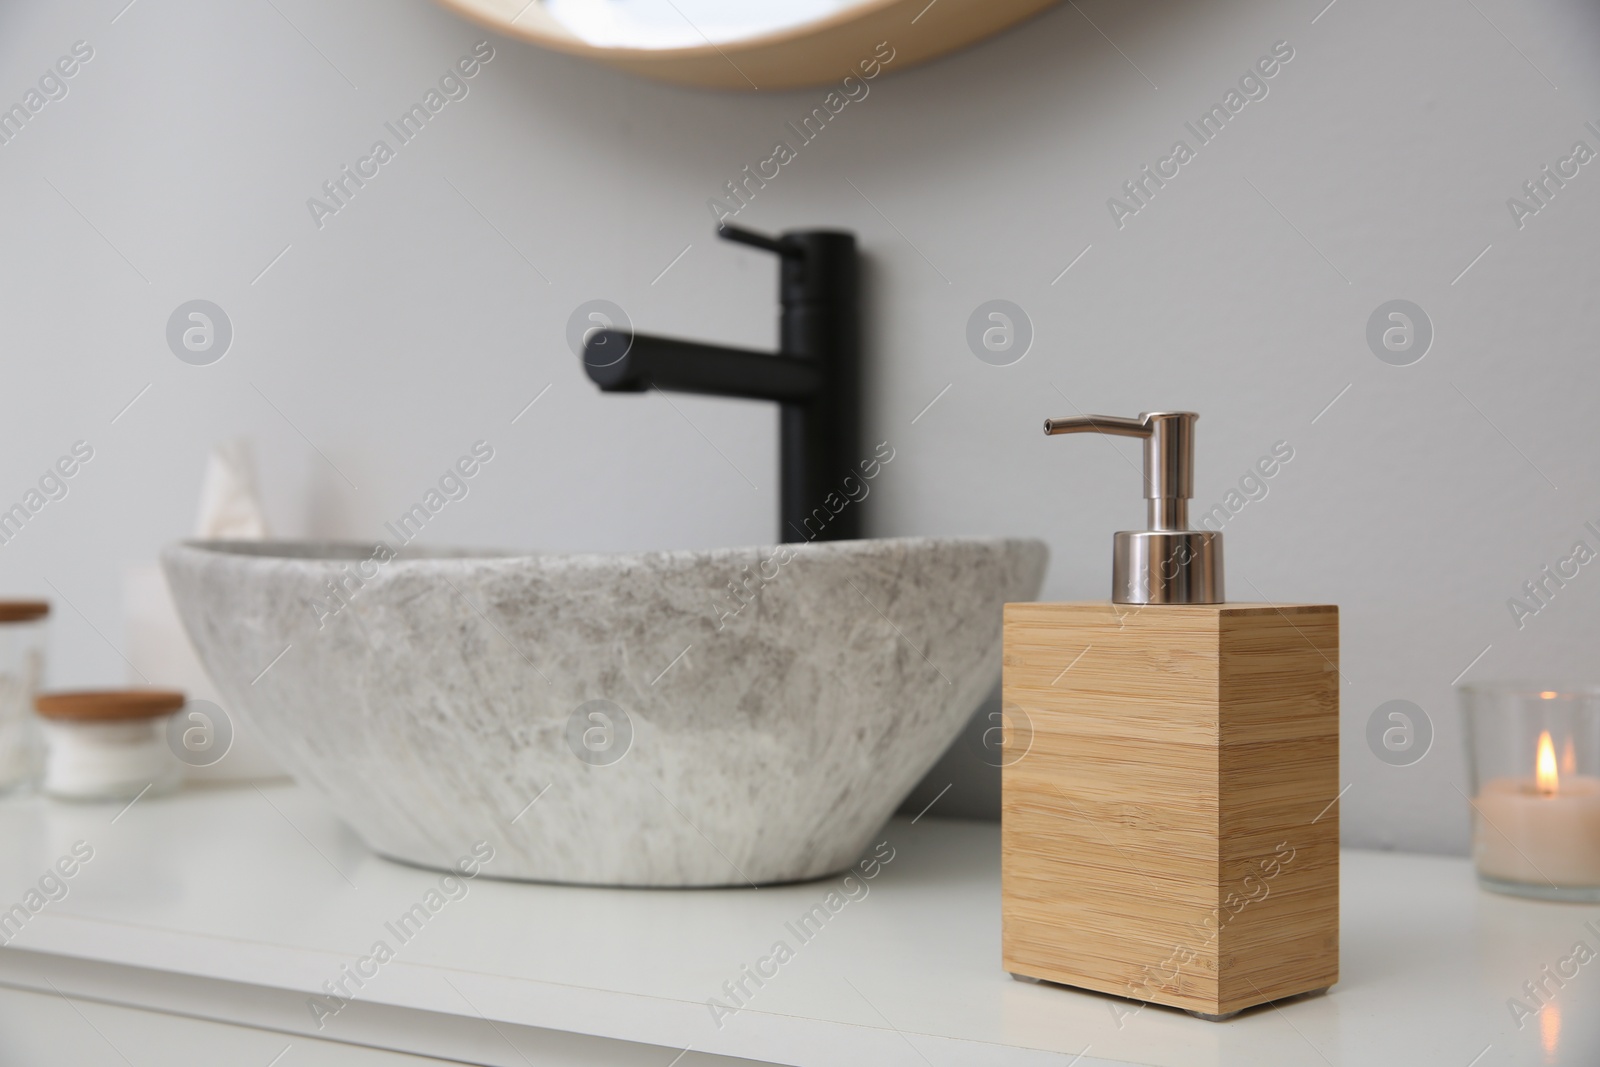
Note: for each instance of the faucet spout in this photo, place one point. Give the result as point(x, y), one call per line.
point(692, 367)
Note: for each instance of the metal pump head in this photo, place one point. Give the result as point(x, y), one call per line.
point(1168, 563)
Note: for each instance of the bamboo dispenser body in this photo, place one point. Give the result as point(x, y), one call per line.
point(1169, 831)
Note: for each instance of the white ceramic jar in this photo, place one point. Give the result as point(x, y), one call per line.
point(108, 744)
point(22, 635)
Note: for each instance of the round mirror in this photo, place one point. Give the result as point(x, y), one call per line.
point(736, 44)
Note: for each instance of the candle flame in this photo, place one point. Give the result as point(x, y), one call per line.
point(1545, 769)
point(1569, 758)
point(1550, 1030)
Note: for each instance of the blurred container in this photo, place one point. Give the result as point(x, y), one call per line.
point(1534, 754)
point(22, 637)
point(109, 744)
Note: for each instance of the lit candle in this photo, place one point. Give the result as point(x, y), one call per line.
point(1541, 830)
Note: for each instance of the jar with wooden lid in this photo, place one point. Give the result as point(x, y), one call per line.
point(108, 744)
point(22, 635)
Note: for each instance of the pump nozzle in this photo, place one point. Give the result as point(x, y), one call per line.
point(1168, 563)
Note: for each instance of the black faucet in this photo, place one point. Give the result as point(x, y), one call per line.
point(814, 376)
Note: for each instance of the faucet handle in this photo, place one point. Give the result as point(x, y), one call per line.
point(757, 240)
point(814, 266)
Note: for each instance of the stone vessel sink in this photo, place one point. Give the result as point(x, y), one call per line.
point(730, 717)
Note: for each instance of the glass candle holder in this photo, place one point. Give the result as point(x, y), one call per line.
point(1533, 751)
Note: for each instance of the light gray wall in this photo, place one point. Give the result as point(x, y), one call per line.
point(429, 311)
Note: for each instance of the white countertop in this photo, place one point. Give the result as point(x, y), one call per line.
point(235, 903)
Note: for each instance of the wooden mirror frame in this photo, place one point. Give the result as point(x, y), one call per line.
point(812, 54)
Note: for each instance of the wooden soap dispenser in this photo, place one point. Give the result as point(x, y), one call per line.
point(1169, 827)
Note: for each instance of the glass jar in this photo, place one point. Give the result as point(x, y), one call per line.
point(22, 637)
point(109, 744)
point(1533, 751)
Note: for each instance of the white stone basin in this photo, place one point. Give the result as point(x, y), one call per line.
point(438, 695)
